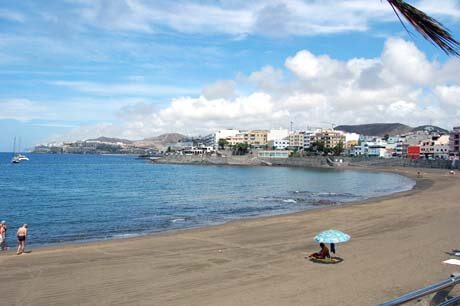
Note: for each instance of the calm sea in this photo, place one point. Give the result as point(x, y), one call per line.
point(70, 198)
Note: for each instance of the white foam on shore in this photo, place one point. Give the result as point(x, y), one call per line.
point(123, 236)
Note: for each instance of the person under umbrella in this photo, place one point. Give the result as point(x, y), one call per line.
point(322, 254)
point(332, 237)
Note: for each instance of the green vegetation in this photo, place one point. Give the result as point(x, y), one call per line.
point(338, 149)
point(240, 149)
point(222, 143)
point(319, 147)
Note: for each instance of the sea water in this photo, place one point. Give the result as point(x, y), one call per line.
point(72, 198)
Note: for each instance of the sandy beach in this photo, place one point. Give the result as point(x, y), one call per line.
point(398, 245)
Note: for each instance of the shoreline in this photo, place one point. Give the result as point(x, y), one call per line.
point(398, 243)
point(310, 209)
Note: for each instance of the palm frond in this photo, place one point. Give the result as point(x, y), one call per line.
point(431, 29)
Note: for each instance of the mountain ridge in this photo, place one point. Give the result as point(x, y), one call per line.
point(382, 129)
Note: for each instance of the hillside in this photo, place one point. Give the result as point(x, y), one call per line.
point(167, 138)
point(160, 142)
point(111, 140)
point(375, 129)
point(430, 127)
point(382, 129)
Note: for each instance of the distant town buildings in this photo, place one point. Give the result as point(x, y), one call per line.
point(426, 143)
point(454, 142)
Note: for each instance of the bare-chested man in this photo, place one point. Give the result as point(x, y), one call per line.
point(322, 254)
point(3, 235)
point(22, 237)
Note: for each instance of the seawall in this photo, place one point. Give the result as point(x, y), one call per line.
point(309, 161)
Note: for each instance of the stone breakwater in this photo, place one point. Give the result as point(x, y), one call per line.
point(310, 161)
point(250, 160)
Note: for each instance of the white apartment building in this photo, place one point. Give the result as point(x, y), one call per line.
point(309, 137)
point(435, 147)
point(281, 144)
point(376, 150)
point(277, 134)
point(224, 134)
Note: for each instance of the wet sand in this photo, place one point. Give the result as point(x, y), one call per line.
point(398, 243)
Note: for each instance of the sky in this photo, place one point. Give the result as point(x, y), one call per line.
point(77, 69)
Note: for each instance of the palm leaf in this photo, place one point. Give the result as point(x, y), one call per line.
point(431, 29)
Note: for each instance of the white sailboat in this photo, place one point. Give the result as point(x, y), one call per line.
point(15, 159)
point(21, 156)
point(18, 157)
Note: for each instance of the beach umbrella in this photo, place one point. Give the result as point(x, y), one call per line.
point(332, 236)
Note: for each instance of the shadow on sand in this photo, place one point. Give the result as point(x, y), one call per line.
point(332, 261)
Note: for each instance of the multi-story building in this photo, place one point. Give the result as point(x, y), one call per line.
point(454, 142)
point(435, 147)
point(413, 152)
point(277, 134)
point(351, 140)
point(376, 150)
point(297, 140)
point(210, 140)
point(255, 138)
point(414, 139)
point(330, 138)
point(281, 144)
point(222, 134)
point(309, 137)
point(441, 151)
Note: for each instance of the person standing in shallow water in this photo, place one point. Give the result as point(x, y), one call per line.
point(22, 237)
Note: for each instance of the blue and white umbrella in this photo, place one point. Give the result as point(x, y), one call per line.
point(332, 236)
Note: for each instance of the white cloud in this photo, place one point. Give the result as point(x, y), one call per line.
point(273, 18)
point(449, 8)
point(12, 15)
point(401, 108)
point(132, 89)
point(239, 18)
point(308, 66)
point(222, 89)
point(401, 85)
point(402, 60)
point(449, 94)
point(21, 109)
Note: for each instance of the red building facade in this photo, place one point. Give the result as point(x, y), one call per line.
point(413, 152)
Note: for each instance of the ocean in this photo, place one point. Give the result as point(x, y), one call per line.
point(76, 198)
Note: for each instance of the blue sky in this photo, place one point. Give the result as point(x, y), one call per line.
point(76, 69)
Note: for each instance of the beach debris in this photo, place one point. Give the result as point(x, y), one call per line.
point(452, 262)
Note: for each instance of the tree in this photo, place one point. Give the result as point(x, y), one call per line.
point(338, 149)
point(222, 143)
point(240, 149)
point(317, 146)
point(431, 29)
point(386, 137)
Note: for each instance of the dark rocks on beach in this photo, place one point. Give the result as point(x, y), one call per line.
point(323, 202)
